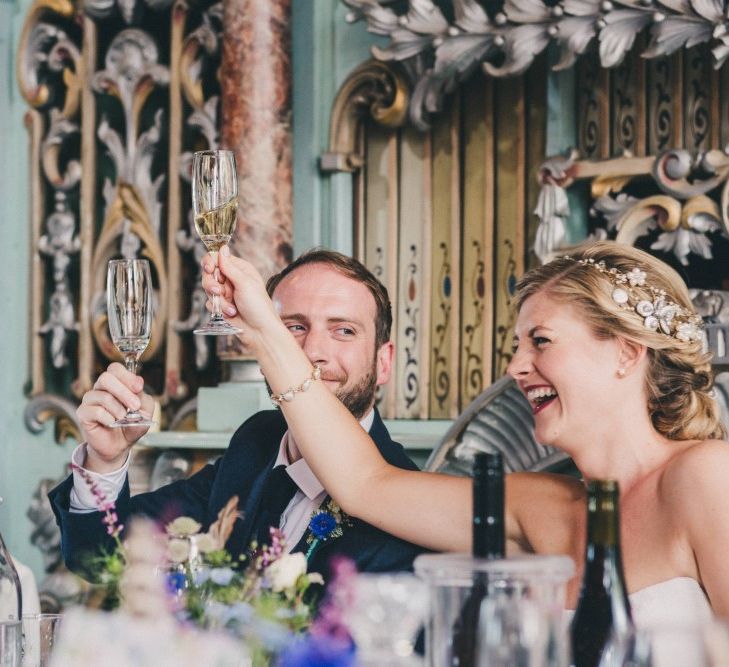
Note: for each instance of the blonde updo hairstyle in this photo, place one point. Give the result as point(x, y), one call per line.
point(679, 377)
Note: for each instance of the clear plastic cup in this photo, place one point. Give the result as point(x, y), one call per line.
point(40, 632)
point(519, 606)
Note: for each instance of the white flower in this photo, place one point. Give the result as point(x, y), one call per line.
point(316, 578)
point(178, 551)
point(206, 543)
point(183, 525)
point(688, 331)
point(636, 277)
point(657, 315)
point(285, 571)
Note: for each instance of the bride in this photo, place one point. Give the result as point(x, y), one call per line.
point(607, 350)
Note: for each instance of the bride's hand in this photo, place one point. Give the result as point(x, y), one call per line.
point(243, 297)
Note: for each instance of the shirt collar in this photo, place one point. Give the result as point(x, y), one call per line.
point(299, 471)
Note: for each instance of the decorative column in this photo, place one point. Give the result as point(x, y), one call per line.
point(256, 125)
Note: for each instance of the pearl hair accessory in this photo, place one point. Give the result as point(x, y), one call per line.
point(659, 313)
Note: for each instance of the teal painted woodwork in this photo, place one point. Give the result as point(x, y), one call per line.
point(25, 458)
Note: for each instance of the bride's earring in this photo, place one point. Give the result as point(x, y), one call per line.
point(621, 372)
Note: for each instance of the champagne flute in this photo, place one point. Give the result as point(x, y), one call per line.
point(129, 309)
point(215, 205)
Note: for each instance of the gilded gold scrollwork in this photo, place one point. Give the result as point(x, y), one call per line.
point(44, 407)
point(36, 37)
point(662, 210)
point(374, 87)
point(59, 131)
point(204, 41)
point(698, 206)
point(128, 215)
point(604, 185)
point(724, 217)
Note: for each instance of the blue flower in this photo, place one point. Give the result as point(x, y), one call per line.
point(322, 651)
point(176, 582)
point(240, 612)
point(201, 576)
point(322, 525)
point(273, 636)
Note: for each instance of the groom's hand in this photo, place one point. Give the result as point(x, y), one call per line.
point(114, 393)
point(243, 297)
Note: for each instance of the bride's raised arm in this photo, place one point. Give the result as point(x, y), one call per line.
point(429, 509)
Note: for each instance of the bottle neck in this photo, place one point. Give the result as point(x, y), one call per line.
point(603, 560)
point(603, 523)
point(488, 507)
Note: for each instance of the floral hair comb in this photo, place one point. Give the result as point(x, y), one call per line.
point(659, 313)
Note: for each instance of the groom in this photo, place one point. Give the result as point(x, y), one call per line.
point(341, 316)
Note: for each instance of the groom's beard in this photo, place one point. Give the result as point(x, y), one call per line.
point(360, 398)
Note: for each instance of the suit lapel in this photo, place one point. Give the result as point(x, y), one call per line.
point(241, 536)
point(242, 532)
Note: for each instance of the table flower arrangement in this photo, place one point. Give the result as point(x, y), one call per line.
point(265, 600)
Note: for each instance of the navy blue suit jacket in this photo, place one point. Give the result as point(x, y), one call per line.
point(241, 471)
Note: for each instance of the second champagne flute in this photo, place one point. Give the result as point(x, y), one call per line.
point(129, 309)
point(215, 206)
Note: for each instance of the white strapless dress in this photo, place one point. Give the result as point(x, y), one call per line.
point(675, 613)
point(671, 613)
point(675, 602)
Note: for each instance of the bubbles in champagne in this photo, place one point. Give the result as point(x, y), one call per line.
point(131, 345)
point(215, 227)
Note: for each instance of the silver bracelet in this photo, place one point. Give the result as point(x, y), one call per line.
point(291, 392)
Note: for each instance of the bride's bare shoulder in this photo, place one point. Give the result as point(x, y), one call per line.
point(699, 464)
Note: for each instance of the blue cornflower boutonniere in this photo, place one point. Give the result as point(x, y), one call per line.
point(326, 523)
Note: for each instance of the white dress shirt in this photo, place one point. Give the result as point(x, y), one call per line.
point(295, 518)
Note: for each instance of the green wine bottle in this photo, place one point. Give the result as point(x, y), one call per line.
point(603, 609)
point(488, 542)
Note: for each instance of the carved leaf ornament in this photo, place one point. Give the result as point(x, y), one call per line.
point(438, 54)
point(683, 212)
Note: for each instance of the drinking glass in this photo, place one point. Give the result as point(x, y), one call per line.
point(215, 206)
point(39, 636)
point(129, 308)
point(387, 612)
point(11, 635)
point(514, 631)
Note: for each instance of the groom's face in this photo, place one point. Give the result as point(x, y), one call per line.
point(332, 317)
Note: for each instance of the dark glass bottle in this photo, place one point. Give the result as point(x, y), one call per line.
point(488, 542)
point(488, 506)
point(603, 609)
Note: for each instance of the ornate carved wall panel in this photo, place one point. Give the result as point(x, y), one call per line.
point(440, 44)
point(444, 218)
point(644, 107)
point(117, 105)
point(674, 205)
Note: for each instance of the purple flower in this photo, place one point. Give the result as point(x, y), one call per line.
point(322, 525)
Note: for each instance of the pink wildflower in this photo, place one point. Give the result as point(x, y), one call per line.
point(103, 504)
point(340, 596)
